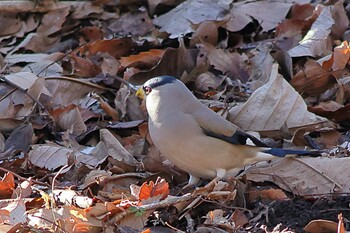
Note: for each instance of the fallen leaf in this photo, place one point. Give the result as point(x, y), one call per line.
point(13, 212)
point(7, 185)
point(321, 225)
point(340, 57)
point(177, 22)
point(153, 189)
point(316, 42)
point(273, 13)
point(49, 157)
point(313, 79)
point(302, 176)
point(136, 23)
point(20, 139)
point(174, 62)
point(273, 106)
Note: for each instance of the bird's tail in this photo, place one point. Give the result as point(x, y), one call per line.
point(279, 152)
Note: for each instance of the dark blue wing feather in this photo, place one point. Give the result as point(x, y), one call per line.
point(279, 152)
point(238, 138)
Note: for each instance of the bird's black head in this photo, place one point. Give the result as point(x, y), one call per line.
point(157, 82)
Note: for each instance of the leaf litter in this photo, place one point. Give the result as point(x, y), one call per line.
point(76, 155)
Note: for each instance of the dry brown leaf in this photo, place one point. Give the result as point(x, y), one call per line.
point(53, 21)
point(331, 110)
point(267, 195)
point(153, 4)
point(261, 66)
point(115, 148)
point(92, 156)
point(91, 33)
point(71, 198)
point(70, 218)
point(84, 67)
point(20, 139)
point(12, 59)
point(239, 218)
point(136, 23)
point(23, 80)
point(143, 60)
point(216, 218)
point(109, 65)
point(341, 20)
point(321, 225)
point(128, 104)
point(49, 157)
point(72, 121)
point(24, 189)
point(29, 82)
point(40, 40)
point(174, 62)
point(289, 32)
point(341, 224)
point(13, 212)
point(65, 91)
point(84, 9)
point(272, 107)
point(9, 24)
point(206, 32)
point(153, 161)
point(208, 81)
point(304, 176)
point(230, 63)
point(273, 13)
point(339, 58)
point(95, 176)
point(237, 20)
point(7, 185)
point(7, 125)
point(177, 22)
point(115, 47)
point(317, 41)
point(313, 79)
point(158, 189)
point(44, 69)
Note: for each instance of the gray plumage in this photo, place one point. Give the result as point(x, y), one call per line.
point(195, 138)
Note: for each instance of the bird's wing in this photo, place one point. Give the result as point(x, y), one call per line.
point(214, 125)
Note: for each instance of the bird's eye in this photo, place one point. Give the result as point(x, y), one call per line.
point(147, 89)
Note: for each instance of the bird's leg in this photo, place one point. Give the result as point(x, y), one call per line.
point(192, 182)
point(220, 173)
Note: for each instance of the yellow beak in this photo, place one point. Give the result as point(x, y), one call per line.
point(140, 93)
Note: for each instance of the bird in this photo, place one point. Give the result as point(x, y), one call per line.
point(196, 139)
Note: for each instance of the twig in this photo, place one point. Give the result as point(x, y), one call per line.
point(129, 85)
point(152, 206)
point(63, 56)
point(173, 228)
point(53, 201)
point(21, 178)
point(80, 82)
point(24, 91)
point(49, 221)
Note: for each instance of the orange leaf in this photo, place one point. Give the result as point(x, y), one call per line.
point(115, 47)
point(146, 231)
point(161, 187)
point(7, 186)
point(142, 60)
point(83, 67)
